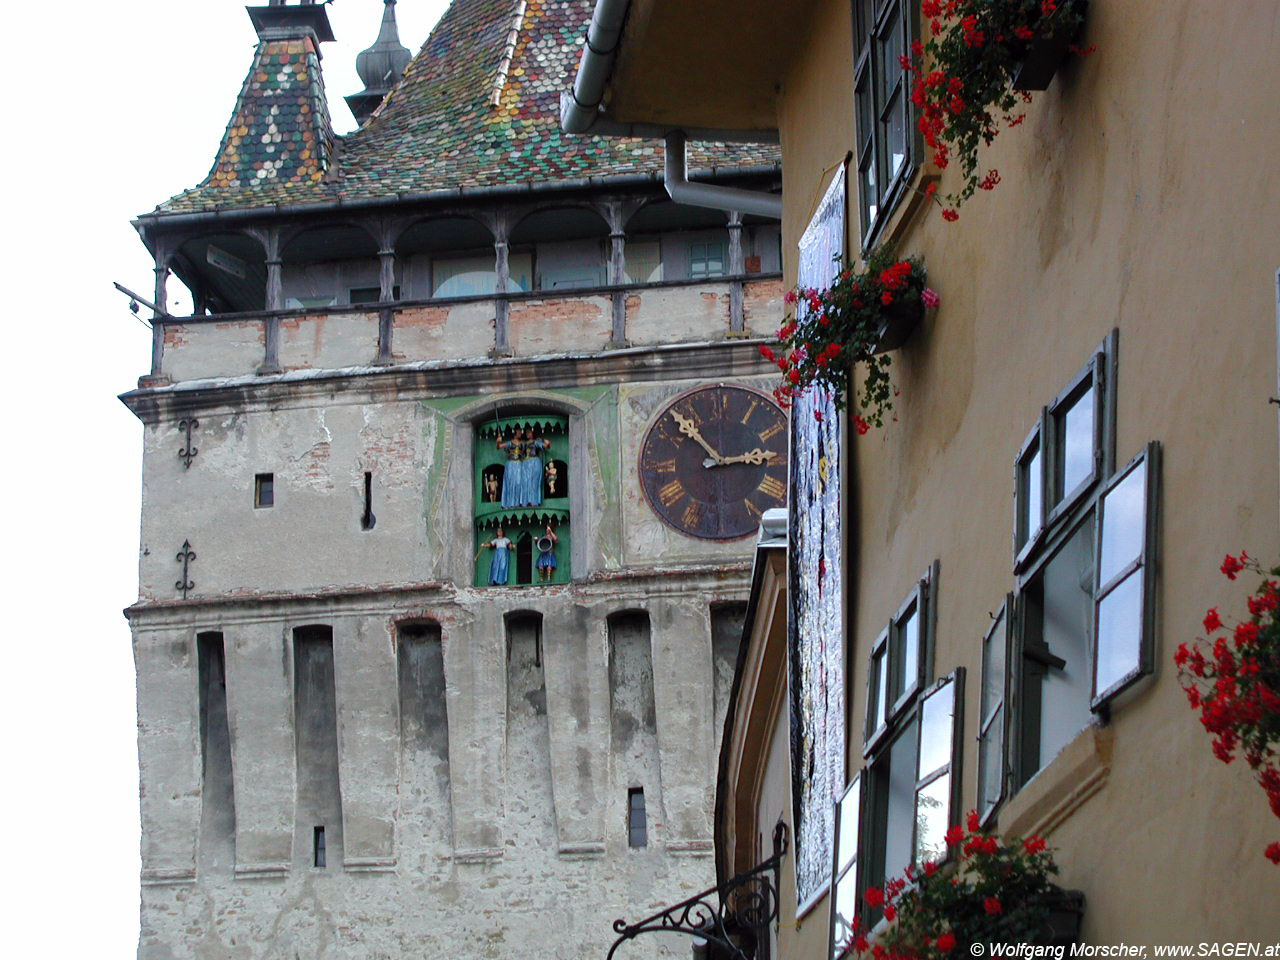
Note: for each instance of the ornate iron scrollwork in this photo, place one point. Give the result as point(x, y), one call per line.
point(739, 909)
point(188, 453)
point(185, 558)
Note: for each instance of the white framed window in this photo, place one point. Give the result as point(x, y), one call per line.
point(643, 262)
point(477, 276)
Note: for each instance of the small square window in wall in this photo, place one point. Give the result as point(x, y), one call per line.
point(264, 490)
point(706, 260)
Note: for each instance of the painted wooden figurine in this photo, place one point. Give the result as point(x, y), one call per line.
point(531, 489)
point(553, 479)
point(547, 555)
point(492, 490)
point(500, 565)
point(513, 478)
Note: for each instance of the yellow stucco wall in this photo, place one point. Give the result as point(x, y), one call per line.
point(1140, 195)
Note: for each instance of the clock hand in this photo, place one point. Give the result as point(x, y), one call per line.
point(756, 456)
point(689, 429)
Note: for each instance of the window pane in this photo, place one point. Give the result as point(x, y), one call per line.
point(1120, 632)
point(906, 653)
point(1075, 439)
point(991, 761)
point(876, 691)
point(891, 47)
point(1065, 628)
point(895, 133)
point(932, 811)
point(936, 730)
point(1123, 524)
point(993, 667)
point(900, 818)
point(846, 901)
point(849, 807)
point(1029, 492)
point(643, 262)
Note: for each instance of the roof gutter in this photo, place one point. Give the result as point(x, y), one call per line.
point(580, 114)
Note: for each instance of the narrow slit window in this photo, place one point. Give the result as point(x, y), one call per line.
point(637, 824)
point(367, 519)
point(264, 490)
point(318, 848)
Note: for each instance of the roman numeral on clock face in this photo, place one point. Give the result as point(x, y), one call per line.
point(772, 431)
point(773, 487)
point(750, 410)
point(752, 509)
point(692, 514)
point(670, 493)
point(665, 466)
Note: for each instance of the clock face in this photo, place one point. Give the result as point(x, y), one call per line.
point(714, 460)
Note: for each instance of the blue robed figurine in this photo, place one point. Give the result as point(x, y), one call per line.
point(513, 476)
point(500, 565)
point(531, 470)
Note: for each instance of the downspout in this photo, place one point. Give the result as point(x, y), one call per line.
point(676, 180)
point(578, 110)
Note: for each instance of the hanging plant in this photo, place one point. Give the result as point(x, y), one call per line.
point(856, 320)
point(998, 891)
point(977, 53)
point(1232, 676)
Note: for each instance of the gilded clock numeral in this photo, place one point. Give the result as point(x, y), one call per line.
point(692, 514)
point(750, 410)
point(771, 432)
point(752, 509)
point(670, 493)
point(773, 487)
point(665, 466)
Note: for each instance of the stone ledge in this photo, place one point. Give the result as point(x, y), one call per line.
point(478, 855)
point(167, 878)
point(690, 848)
point(266, 870)
point(1078, 772)
point(582, 850)
point(369, 864)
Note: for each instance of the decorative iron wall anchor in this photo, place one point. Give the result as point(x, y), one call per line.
point(733, 916)
point(185, 558)
point(188, 453)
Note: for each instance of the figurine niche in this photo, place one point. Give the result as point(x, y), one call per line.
point(553, 479)
point(492, 490)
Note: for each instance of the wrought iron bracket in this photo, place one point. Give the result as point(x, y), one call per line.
point(188, 453)
point(746, 904)
point(185, 558)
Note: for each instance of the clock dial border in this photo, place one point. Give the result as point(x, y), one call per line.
point(667, 460)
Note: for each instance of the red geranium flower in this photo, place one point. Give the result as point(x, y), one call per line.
point(947, 942)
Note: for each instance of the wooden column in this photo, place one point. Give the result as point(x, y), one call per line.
point(275, 301)
point(737, 267)
point(502, 267)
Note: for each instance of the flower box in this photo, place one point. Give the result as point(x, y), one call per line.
point(898, 322)
point(1045, 54)
point(1066, 913)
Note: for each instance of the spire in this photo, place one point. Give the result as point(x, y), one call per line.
point(380, 66)
point(280, 131)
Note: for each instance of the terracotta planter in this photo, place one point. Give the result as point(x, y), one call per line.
point(1044, 55)
point(900, 321)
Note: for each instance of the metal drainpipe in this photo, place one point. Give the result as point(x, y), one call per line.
point(681, 190)
point(578, 110)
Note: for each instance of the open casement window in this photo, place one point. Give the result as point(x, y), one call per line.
point(882, 34)
point(898, 666)
point(912, 784)
point(1124, 598)
point(1061, 460)
point(993, 713)
point(844, 885)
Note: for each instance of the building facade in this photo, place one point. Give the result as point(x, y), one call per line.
point(449, 485)
point(1099, 373)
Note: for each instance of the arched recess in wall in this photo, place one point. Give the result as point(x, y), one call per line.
point(633, 725)
point(318, 834)
point(330, 265)
point(726, 639)
point(530, 809)
point(225, 272)
point(569, 244)
point(217, 793)
point(425, 797)
point(451, 256)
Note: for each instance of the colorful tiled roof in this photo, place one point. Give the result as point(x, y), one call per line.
point(280, 131)
point(439, 128)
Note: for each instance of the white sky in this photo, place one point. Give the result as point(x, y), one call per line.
point(115, 107)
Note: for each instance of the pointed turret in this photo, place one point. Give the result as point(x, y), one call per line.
point(280, 130)
point(380, 66)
